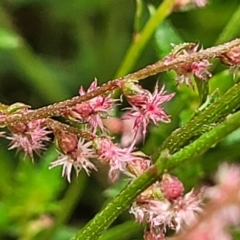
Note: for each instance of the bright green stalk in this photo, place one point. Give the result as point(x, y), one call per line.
point(218, 110)
point(142, 38)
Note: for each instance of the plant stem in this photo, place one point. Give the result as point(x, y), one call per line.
point(225, 105)
point(58, 109)
point(102, 220)
point(142, 38)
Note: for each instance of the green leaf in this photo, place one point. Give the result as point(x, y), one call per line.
point(8, 40)
point(164, 36)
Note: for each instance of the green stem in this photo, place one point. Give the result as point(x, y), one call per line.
point(102, 220)
point(94, 229)
point(58, 109)
point(122, 231)
point(202, 144)
point(225, 105)
point(142, 38)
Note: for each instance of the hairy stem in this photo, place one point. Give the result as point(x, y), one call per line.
point(58, 109)
point(225, 105)
point(55, 126)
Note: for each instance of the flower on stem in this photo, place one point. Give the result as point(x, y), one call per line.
point(185, 72)
point(30, 137)
point(74, 153)
point(188, 4)
point(146, 106)
point(232, 59)
point(164, 206)
point(117, 158)
point(92, 111)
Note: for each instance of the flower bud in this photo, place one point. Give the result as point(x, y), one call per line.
point(66, 142)
point(171, 187)
point(231, 57)
point(16, 107)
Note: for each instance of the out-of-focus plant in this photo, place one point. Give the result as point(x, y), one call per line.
point(83, 130)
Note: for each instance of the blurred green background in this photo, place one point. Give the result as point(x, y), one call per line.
point(48, 49)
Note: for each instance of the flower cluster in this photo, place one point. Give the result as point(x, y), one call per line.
point(146, 107)
point(198, 69)
point(232, 59)
point(91, 112)
point(164, 205)
point(77, 153)
point(222, 210)
point(30, 137)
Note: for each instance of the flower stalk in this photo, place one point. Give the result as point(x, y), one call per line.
point(58, 109)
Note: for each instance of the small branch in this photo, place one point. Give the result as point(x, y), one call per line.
point(225, 105)
point(55, 125)
point(58, 109)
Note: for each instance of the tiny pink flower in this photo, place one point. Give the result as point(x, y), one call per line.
point(92, 111)
point(30, 137)
point(160, 213)
point(187, 209)
point(232, 58)
point(148, 110)
point(74, 153)
point(186, 72)
point(117, 158)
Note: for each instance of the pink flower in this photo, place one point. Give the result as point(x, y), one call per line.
point(187, 209)
point(159, 213)
point(147, 107)
point(91, 112)
point(30, 137)
point(74, 153)
point(116, 157)
point(185, 72)
point(232, 58)
point(188, 4)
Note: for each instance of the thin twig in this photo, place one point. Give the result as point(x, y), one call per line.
point(58, 109)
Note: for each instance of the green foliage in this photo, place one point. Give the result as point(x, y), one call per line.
point(47, 50)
